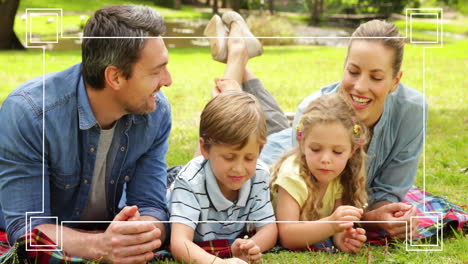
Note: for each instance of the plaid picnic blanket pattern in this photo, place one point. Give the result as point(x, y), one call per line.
point(220, 247)
point(424, 202)
point(451, 213)
point(37, 240)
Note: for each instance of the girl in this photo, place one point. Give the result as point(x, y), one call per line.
point(323, 178)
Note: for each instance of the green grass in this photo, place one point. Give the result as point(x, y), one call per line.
point(459, 26)
point(71, 25)
point(454, 252)
point(290, 73)
point(420, 29)
point(74, 10)
point(89, 6)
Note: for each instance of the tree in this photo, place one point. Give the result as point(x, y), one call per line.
point(235, 5)
point(316, 9)
point(271, 6)
point(177, 4)
point(215, 6)
point(8, 38)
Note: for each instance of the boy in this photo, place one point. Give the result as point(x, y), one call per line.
point(226, 183)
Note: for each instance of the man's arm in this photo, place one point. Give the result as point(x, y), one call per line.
point(23, 186)
point(123, 241)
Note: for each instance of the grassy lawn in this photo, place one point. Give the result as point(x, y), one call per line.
point(89, 6)
point(459, 26)
point(290, 73)
point(73, 11)
point(425, 30)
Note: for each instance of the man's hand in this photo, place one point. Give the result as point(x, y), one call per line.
point(127, 240)
point(350, 240)
point(345, 213)
point(246, 249)
point(395, 212)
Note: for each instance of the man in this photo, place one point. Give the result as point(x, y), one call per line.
point(106, 124)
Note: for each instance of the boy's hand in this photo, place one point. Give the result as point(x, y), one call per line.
point(345, 213)
point(234, 261)
point(350, 240)
point(247, 250)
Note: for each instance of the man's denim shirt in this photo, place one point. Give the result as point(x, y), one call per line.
point(395, 147)
point(58, 182)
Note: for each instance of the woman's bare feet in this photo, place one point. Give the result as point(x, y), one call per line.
point(254, 47)
point(217, 32)
point(225, 84)
point(237, 54)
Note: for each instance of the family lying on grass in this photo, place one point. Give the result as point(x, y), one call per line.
point(353, 143)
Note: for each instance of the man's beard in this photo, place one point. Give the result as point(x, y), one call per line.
point(139, 110)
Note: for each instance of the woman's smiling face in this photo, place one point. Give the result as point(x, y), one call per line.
point(368, 78)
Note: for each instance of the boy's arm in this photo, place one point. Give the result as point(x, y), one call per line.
point(266, 236)
point(183, 248)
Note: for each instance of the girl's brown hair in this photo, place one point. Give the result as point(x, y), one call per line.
point(325, 110)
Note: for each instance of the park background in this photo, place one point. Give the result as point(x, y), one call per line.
point(291, 68)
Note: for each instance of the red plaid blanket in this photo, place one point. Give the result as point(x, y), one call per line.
point(425, 202)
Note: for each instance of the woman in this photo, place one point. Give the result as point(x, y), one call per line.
point(395, 115)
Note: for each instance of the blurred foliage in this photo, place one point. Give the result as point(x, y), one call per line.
point(267, 25)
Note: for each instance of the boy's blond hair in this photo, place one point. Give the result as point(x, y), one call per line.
point(230, 118)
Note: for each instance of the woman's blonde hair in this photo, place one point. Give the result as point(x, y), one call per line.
point(230, 118)
point(377, 31)
point(325, 110)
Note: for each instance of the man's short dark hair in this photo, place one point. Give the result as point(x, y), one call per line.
point(129, 21)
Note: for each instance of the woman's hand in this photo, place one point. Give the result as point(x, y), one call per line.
point(393, 212)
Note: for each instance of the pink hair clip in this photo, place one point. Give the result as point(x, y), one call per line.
point(299, 135)
point(299, 132)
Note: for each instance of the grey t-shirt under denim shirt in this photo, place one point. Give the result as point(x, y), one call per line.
point(394, 149)
point(96, 208)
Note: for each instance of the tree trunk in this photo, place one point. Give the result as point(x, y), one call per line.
point(315, 12)
point(236, 5)
point(8, 38)
point(208, 3)
point(177, 4)
point(215, 6)
point(224, 4)
point(271, 6)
